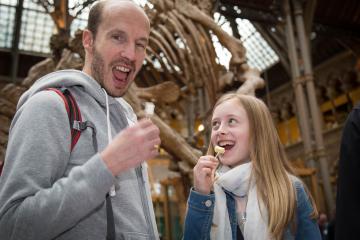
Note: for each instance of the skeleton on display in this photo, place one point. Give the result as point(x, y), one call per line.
point(180, 65)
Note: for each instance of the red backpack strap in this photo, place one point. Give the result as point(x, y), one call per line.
point(75, 120)
point(73, 112)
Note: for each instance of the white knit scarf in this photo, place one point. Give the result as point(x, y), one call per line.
point(237, 181)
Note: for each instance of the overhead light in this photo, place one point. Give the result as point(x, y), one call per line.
point(201, 128)
point(313, 35)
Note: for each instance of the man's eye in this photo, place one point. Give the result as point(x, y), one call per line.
point(141, 46)
point(118, 38)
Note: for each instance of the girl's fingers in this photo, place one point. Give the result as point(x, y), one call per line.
point(207, 161)
point(208, 158)
point(207, 171)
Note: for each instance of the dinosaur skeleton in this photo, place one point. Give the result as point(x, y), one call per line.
point(180, 65)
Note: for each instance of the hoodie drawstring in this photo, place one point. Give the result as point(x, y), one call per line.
point(112, 189)
point(110, 231)
point(108, 117)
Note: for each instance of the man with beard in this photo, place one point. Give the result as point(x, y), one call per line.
point(99, 189)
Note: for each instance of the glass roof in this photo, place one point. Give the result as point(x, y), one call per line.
point(7, 20)
point(37, 28)
point(8, 2)
point(258, 52)
point(36, 25)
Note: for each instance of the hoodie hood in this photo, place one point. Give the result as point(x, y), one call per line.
point(67, 78)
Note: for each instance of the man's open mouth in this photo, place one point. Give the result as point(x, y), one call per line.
point(121, 74)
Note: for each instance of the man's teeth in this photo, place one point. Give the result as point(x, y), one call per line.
point(122, 69)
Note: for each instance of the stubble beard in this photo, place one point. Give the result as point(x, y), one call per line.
point(97, 68)
point(97, 71)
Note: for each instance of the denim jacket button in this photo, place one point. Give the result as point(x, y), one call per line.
point(208, 203)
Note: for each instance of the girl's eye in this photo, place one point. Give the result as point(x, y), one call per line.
point(232, 121)
point(215, 125)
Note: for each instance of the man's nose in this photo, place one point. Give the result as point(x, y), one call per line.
point(129, 51)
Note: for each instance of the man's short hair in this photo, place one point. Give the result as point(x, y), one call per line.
point(95, 17)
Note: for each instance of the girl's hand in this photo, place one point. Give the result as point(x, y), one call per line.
point(204, 172)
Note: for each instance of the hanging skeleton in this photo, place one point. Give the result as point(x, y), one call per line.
point(180, 65)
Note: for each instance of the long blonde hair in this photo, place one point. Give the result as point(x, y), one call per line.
point(271, 168)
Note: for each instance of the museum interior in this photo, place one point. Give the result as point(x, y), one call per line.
point(301, 57)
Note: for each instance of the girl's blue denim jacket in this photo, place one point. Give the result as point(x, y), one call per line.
point(200, 213)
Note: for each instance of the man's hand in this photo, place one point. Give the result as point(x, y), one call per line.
point(132, 146)
point(204, 171)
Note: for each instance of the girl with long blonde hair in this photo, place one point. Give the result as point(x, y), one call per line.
point(249, 191)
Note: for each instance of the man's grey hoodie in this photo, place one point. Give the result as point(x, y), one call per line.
point(50, 192)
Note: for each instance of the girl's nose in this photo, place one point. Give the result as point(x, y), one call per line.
point(223, 129)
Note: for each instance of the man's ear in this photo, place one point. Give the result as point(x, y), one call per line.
point(87, 40)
